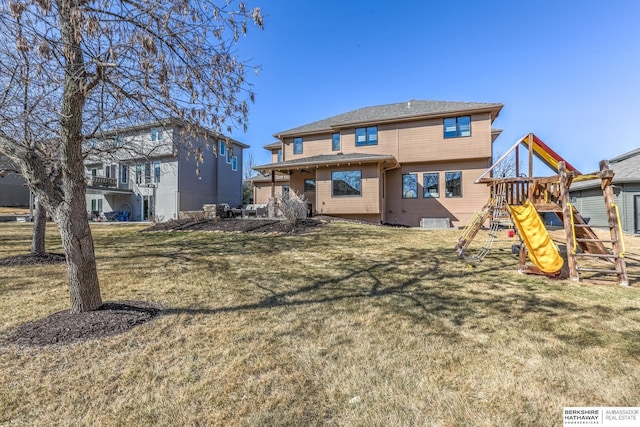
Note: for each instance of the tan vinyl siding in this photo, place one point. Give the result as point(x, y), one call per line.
point(297, 184)
point(458, 209)
point(368, 203)
point(421, 140)
point(274, 156)
point(262, 191)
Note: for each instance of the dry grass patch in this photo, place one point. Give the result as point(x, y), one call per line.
point(346, 325)
point(9, 210)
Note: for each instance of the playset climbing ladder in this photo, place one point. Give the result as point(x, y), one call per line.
point(551, 194)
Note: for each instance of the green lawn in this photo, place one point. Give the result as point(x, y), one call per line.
point(346, 325)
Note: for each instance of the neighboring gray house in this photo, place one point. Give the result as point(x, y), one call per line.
point(13, 190)
point(587, 197)
point(150, 171)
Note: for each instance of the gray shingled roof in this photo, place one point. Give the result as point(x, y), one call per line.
point(273, 145)
point(390, 112)
point(626, 168)
point(325, 159)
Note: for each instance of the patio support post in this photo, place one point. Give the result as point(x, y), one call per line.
point(273, 183)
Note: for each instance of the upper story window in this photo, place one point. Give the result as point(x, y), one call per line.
point(430, 184)
point(110, 171)
point(453, 184)
point(119, 141)
point(335, 142)
point(279, 155)
point(229, 156)
point(455, 127)
point(156, 134)
point(234, 163)
point(346, 183)
point(410, 186)
point(223, 148)
point(92, 142)
point(367, 136)
point(297, 145)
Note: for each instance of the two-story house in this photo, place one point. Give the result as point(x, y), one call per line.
point(155, 170)
point(395, 163)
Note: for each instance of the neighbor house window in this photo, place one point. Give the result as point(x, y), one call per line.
point(346, 183)
point(92, 142)
point(119, 141)
point(229, 156)
point(147, 173)
point(223, 148)
point(110, 171)
point(96, 205)
point(297, 145)
point(335, 142)
point(279, 155)
point(156, 171)
point(94, 172)
point(453, 184)
point(309, 185)
point(430, 184)
point(367, 136)
point(234, 163)
point(455, 127)
point(410, 186)
point(156, 134)
point(285, 192)
point(138, 174)
point(124, 174)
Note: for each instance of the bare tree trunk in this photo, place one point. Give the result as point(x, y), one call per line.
point(39, 229)
point(84, 288)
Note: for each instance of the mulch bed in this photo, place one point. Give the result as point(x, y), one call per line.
point(64, 328)
point(32, 259)
point(238, 225)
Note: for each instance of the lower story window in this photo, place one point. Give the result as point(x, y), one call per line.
point(346, 183)
point(309, 185)
point(96, 205)
point(410, 186)
point(453, 184)
point(430, 184)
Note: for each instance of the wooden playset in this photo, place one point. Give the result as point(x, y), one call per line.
point(524, 198)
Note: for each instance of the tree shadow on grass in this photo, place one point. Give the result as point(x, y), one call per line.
point(428, 288)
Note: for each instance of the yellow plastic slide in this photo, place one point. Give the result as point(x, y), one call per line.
point(542, 251)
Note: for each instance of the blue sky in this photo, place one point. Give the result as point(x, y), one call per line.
point(565, 70)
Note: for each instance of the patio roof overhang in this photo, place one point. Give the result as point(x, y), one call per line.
point(325, 161)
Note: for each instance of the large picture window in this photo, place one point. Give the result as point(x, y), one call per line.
point(453, 184)
point(430, 184)
point(455, 127)
point(367, 136)
point(297, 145)
point(346, 183)
point(410, 186)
